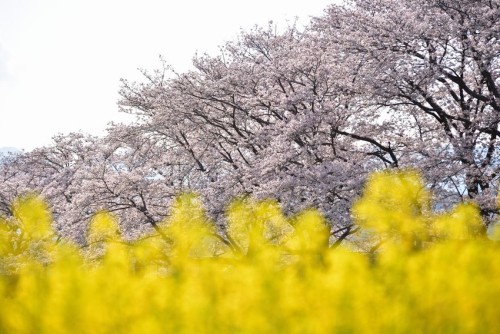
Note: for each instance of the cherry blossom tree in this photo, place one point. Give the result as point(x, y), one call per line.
point(256, 119)
point(426, 76)
point(300, 115)
point(51, 172)
point(303, 116)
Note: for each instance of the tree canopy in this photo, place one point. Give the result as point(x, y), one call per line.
point(300, 115)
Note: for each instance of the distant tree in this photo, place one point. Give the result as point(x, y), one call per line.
point(52, 172)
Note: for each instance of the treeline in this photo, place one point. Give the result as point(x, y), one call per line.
point(300, 115)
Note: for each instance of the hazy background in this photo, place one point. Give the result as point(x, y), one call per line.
point(61, 60)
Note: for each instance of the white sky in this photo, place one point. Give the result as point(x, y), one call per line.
point(61, 60)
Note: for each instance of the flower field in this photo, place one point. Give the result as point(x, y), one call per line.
point(426, 272)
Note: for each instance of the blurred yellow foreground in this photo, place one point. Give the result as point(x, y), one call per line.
point(408, 270)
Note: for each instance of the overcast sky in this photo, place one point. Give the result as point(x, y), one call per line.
point(61, 60)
